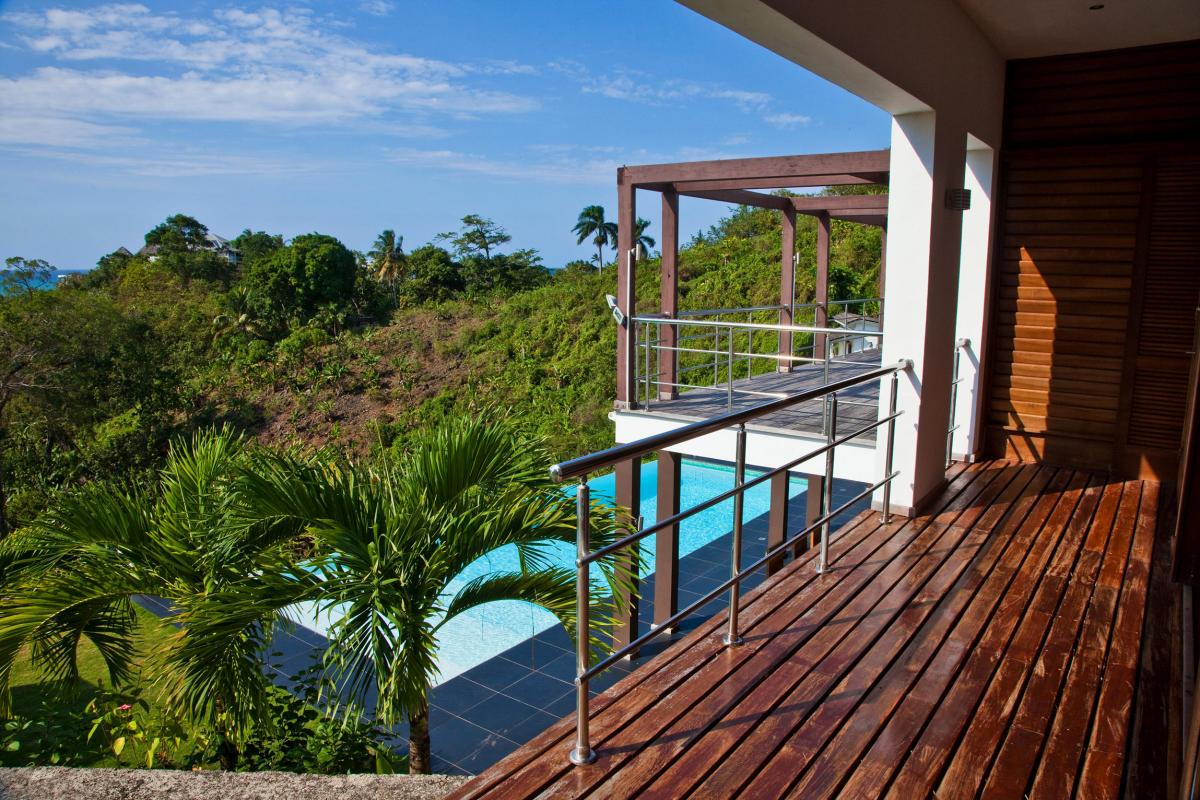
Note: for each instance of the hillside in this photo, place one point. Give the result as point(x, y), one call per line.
point(308, 345)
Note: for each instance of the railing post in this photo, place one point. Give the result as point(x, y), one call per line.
point(582, 752)
point(739, 477)
point(831, 435)
point(954, 380)
point(750, 348)
point(649, 385)
point(729, 391)
point(891, 444)
point(716, 355)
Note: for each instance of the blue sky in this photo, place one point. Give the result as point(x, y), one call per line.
point(348, 118)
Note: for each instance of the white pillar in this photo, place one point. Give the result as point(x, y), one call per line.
point(974, 282)
point(923, 248)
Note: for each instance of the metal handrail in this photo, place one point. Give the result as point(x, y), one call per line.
point(758, 326)
point(581, 467)
point(959, 346)
point(603, 459)
point(710, 332)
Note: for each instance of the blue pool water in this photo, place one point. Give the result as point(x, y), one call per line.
point(481, 633)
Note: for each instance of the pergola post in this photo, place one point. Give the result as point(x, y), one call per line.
point(787, 285)
point(666, 541)
point(821, 289)
point(626, 299)
point(777, 521)
point(668, 335)
point(629, 495)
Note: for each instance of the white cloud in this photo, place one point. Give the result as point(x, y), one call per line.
point(640, 87)
point(785, 120)
point(167, 164)
point(555, 163)
point(560, 168)
point(264, 66)
point(59, 132)
point(377, 8)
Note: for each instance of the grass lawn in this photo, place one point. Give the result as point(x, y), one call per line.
point(66, 714)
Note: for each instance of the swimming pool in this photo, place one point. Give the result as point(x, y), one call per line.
point(481, 633)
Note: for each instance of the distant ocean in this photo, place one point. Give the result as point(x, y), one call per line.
point(55, 277)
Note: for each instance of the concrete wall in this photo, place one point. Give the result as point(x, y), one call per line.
point(926, 63)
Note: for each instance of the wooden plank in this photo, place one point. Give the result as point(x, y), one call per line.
point(988, 632)
point(1016, 672)
point(540, 762)
point(873, 630)
point(991, 645)
point(750, 672)
point(673, 665)
point(1058, 771)
point(840, 758)
point(1043, 666)
point(1138, 658)
point(525, 772)
point(1026, 518)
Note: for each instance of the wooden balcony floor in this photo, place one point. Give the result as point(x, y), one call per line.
point(989, 648)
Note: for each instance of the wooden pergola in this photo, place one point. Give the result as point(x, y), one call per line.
point(736, 181)
point(739, 181)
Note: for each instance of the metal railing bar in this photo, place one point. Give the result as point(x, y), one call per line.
point(624, 452)
point(625, 541)
point(670, 621)
point(714, 311)
point(755, 326)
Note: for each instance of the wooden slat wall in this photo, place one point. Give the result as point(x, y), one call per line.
point(1170, 292)
point(1083, 136)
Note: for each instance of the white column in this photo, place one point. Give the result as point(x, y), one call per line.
point(923, 248)
point(974, 282)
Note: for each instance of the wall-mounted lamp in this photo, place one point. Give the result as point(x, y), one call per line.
point(958, 199)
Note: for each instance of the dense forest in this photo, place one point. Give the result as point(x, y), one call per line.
point(307, 344)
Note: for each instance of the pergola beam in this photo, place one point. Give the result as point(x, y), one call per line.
point(742, 197)
point(751, 170)
point(861, 217)
point(786, 182)
point(808, 204)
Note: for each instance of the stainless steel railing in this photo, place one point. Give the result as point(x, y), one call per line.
point(583, 466)
point(959, 346)
point(715, 347)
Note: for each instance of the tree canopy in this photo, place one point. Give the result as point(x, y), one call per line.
point(315, 271)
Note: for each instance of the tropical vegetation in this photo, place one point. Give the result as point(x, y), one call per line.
point(301, 424)
point(232, 537)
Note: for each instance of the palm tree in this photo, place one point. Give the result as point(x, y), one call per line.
point(74, 573)
point(641, 241)
point(396, 536)
point(239, 315)
point(387, 259)
point(591, 222)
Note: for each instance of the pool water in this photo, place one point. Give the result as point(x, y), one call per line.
point(481, 633)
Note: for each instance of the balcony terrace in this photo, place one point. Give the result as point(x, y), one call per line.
point(992, 646)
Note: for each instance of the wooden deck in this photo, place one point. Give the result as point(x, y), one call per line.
point(858, 406)
point(988, 648)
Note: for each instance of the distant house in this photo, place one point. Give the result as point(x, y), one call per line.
point(849, 343)
point(212, 243)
